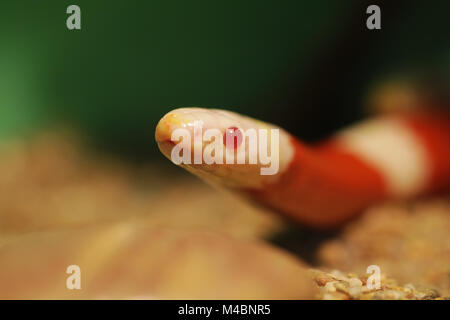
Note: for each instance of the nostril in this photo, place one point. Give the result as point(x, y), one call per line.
point(232, 138)
point(172, 143)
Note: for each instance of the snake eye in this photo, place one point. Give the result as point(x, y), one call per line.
point(232, 138)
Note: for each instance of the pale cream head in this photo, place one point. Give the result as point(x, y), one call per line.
point(209, 126)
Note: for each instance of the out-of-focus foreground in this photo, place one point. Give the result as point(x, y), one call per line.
point(146, 233)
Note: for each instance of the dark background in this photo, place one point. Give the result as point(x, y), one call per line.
point(307, 66)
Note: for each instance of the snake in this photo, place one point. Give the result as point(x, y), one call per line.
point(322, 184)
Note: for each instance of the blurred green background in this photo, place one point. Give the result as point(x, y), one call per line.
point(304, 65)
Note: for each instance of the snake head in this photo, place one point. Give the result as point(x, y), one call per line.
point(224, 147)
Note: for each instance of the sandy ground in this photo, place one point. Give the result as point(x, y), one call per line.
point(149, 232)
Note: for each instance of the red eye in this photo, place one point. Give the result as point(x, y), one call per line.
point(232, 138)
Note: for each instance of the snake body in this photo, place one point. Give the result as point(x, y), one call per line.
point(325, 184)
